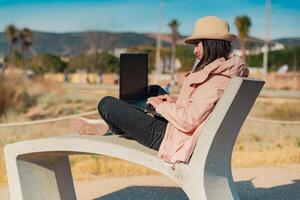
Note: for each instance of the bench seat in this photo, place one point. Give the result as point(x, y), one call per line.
point(40, 169)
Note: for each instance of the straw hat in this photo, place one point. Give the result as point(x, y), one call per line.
point(210, 27)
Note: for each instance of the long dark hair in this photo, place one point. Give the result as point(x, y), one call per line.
point(212, 50)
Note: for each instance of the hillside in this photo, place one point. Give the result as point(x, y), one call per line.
point(290, 42)
point(75, 43)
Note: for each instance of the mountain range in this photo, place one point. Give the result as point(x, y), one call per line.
point(76, 43)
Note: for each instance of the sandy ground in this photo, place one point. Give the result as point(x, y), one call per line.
point(260, 183)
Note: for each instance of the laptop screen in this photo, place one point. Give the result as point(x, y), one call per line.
point(133, 76)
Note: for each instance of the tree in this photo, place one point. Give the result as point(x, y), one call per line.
point(45, 62)
point(102, 62)
point(108, 63)
point(174, 24)
point(186, 57)
point(12, 36)
point(242, 24)
point(26, 37)
point(278, 58)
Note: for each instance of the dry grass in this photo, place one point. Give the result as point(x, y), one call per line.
point(12, 97)
point(261, 144)
point(87, 167)
point(266, 157)
point(277, 109)
point(258, 144)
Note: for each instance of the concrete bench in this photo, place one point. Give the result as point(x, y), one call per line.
point(40, 169)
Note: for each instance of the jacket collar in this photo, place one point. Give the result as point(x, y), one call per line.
point(234, 66)
point(201, 75)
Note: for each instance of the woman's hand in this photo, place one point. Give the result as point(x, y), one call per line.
point(154, 101)
point(167, 98)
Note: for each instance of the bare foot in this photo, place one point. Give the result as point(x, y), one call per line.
point(85, 126)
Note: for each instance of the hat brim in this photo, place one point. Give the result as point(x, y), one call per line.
point(218, 36)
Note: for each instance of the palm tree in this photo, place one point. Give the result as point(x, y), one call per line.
point(242, 24)
point(26, 37)
point(174, 24)
point(12, 36)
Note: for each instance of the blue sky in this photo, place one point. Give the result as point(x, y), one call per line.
point(142, 15)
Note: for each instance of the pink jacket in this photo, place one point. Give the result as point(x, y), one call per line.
point(200, 92)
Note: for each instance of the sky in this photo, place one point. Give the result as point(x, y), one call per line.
point(142, 15)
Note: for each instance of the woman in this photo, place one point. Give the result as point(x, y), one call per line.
point(175, 135)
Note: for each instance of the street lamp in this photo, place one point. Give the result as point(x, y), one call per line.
point(266, 45)
point(158, 44)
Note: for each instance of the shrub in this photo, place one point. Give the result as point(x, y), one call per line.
point(14, 94)
point(42, 63)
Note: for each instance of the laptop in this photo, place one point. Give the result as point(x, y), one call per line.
point(133, 83)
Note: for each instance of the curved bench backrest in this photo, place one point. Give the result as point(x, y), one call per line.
point(217, 137)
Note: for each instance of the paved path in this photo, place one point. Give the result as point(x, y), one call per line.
point(261, 183)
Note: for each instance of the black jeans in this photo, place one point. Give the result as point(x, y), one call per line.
point(124, 119)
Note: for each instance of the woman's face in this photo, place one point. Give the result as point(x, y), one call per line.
point(198, 49)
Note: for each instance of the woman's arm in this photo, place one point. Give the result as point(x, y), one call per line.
point(187, 118)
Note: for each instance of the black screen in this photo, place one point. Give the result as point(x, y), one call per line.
point(133, 76)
